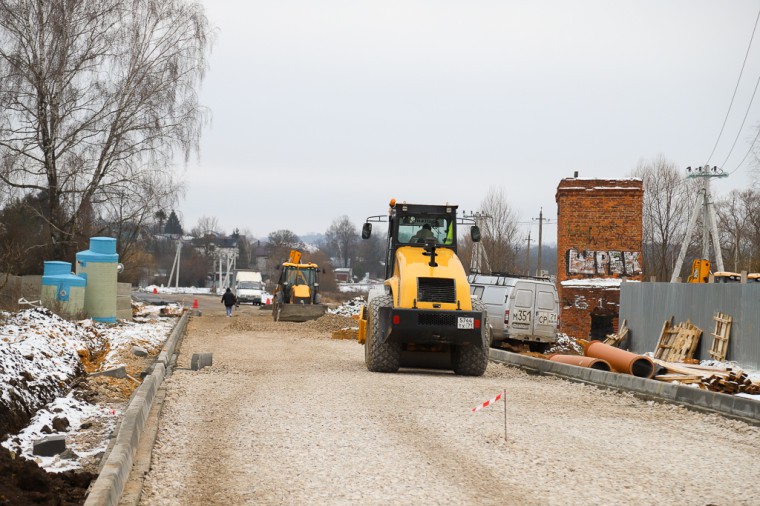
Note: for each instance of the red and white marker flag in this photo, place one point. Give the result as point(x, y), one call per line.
point(488, 403)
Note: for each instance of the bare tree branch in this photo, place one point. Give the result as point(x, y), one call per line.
point(96, 96)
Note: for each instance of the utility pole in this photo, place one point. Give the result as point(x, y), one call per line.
point(175, 265)
point(479, 256)
point(527, 257)
point(709, 225)
point(541, 220)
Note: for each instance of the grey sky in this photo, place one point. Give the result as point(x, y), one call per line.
point(333, 107)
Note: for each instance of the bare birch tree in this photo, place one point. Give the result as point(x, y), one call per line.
point(500, 231)
point(668, 201)
point(96, 99)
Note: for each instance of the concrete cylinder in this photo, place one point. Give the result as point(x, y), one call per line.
point(99, 265)
point(62, 290)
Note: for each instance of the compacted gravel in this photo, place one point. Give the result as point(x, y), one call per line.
point(286, 415)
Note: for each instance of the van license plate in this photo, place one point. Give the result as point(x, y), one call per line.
point(465, 323)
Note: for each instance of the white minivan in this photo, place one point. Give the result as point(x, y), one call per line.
point(521, 309)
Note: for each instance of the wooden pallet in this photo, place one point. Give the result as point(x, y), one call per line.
point(720, 336)
point(678, 343)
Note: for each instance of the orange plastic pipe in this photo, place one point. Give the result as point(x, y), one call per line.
point(621, 360)
point(594, 363)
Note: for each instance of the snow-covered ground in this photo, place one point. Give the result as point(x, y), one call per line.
point(178, 290)
point(42, 356)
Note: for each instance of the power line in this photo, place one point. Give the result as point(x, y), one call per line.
point(752, 145)
point(743, 121)
point(738, 80)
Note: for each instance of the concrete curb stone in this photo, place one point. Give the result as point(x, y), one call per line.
point(742, 408)
point(109, 485)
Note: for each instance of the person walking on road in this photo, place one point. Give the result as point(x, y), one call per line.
point(229, 300)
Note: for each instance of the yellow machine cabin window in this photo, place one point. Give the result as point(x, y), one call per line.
point(416, 229)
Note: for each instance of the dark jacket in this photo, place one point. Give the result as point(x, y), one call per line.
point(229, 298)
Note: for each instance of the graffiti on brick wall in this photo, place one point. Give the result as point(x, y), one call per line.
point(623, 263)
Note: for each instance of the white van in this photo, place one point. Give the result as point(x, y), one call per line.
point(248, 286)
point(521, 309)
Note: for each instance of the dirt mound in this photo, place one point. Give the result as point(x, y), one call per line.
point(23, 483)
point(243, 325)
point(346, 334)
point(331, 323)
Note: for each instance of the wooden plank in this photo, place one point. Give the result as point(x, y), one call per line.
point(685, 369)
point(710, 368)
point(683, 378)
point(619, 337)
point(663, 343)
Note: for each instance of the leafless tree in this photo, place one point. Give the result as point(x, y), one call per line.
point(342, 239)
point(285, 239)
point(750, 201)
point(668, 202)
point(279, 244)
point(371, 257)
point(96, 99)
point(206, 226)
point(500, 231)
point(129, 209)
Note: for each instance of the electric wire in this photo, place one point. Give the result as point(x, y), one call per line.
point(738, 133)
point(752, 145)
point(738, 80)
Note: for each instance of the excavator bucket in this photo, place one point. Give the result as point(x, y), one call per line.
point(298, 312)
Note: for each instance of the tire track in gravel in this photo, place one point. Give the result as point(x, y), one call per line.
point(481, 484)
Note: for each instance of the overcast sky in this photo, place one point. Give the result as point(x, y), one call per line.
point(327, 108)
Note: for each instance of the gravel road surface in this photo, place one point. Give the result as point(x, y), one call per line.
point(287, 415)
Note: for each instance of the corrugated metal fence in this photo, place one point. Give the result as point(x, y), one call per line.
point(646, 306)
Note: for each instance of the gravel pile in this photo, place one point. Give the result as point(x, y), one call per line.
point(331, 322)
point(247, 321)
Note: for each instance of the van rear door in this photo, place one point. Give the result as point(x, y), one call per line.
point(547, 307)
point(521, 314)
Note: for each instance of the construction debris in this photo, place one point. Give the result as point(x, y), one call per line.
point(734, 383)
point(720, 336)
point(677, 343)
point(349, 308)
point(622, 334)
point(715, 379)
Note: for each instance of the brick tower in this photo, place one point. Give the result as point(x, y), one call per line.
point(599, 243)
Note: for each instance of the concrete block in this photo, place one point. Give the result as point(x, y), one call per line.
point(49, 446)
point(139, 352)
point(118, 372)
point(200, 360)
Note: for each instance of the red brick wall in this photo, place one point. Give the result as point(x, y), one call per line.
point(599, 235)
point(578, 303)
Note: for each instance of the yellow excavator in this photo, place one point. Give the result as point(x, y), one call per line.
point(423, 315)
point(296, 297)
point(700, 271)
